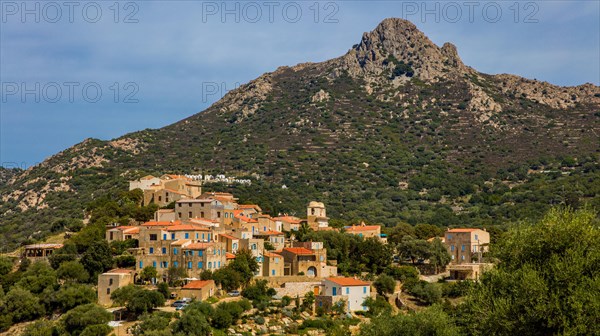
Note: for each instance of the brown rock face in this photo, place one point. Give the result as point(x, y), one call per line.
point(402, 40)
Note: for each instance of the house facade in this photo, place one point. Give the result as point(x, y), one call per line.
point(350, 292)
point(465, 245)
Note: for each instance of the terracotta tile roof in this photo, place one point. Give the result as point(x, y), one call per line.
point(249, 206)
point(342, 281)
point(119, 271)
point(246, 219)
point(272, 255)
point(269, 233)
point(237, 212)
point(132, 230)
point(121, 228)
point(147, 177)
point(162, 223)
point(198, 284)
point(180, 242)
point(299, 250)
point(464, 230)
point(227, 236)
point(357, 228)
point(229, 255)
point(199, 246)
point(289, 219)
point(166, 210)
point(186, 227)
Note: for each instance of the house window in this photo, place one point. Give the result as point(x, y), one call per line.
point(154, 264)
point(190, 205)
point(159, 198)
point(175, 264)
point(273, 272)
point(322, 258)
point(254, 246)
point(111, 235)
point(347, 290)
point(199, 264)
point(277, 260)
point(141, 264)
point(209, 264)
point(190, 214)
point(164, 250)
point(110, 282)
point(365, 290)
point(452, 248)
point(172, 236)
point(164, 236)
point(200, 253)
point(219, 264)
point(462, 257)
point(187, 235)
point(218, 214)
point(334, 289)
point(234, 246)
point(180, 205)
point(462, 247)
point(175, 251)
point(153, 236)
point(226, 215)
point(452, 257)
point(202, 214)
point(108, 291)
point(179, 213)
point(189, 264)
point(203, 236)
point(196, 235)
point(151, 250)
point(476, 237)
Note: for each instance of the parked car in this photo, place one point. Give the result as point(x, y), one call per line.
point(181, 307)
point(234, 293)
point(178, 303)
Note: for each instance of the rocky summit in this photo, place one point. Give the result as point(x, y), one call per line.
point(397, 129)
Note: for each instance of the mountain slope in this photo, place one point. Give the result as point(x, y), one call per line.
point(396, 129)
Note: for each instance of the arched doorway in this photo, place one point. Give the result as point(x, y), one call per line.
point(311, 271)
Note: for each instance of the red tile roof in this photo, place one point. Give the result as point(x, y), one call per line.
point(228, 236)
point(356, 228)
point(463, 230)
point(162, 223)
point(187, 227)
point(299, 250)
point(198, 284)
point(269, 233)
point(198, 246)
point(249, 206)
point(229, 255)
point(342, 281)
point(272, 255)
point(289, 219)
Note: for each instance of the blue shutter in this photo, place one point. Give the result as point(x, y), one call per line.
point(199, 264)
point(187, 235)
point(175, 264)
point(141, 264)
point(189, 264)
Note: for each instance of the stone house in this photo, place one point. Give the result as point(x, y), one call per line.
point(464, 244)
point(342, 290)
point(110, 281)
point(198, 289)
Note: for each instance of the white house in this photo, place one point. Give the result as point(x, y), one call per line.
point(352, 291)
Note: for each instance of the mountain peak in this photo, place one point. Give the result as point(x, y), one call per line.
point(397, 41)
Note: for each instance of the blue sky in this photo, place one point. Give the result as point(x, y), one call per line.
point(157, 62)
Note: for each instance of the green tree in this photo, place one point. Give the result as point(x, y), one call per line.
point(21, 305)
point(72, 271)
point(426, 231)
point(71, 296)
point(76, 321)
point(163, 288)
point(66, 253)
point(156, 323)
point(175, 275)
point(547, 281)
point(38, 277)
point(430, 321)
point(40, 328)
point(137, 300)
point(385, 284)
point(192, 323)
point(439, 256)
point(97, 258)
point(400, 231)
point(413, 249)
point(6, 266)
point(148, 273)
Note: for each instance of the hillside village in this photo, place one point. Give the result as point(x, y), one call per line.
point(195, 234)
